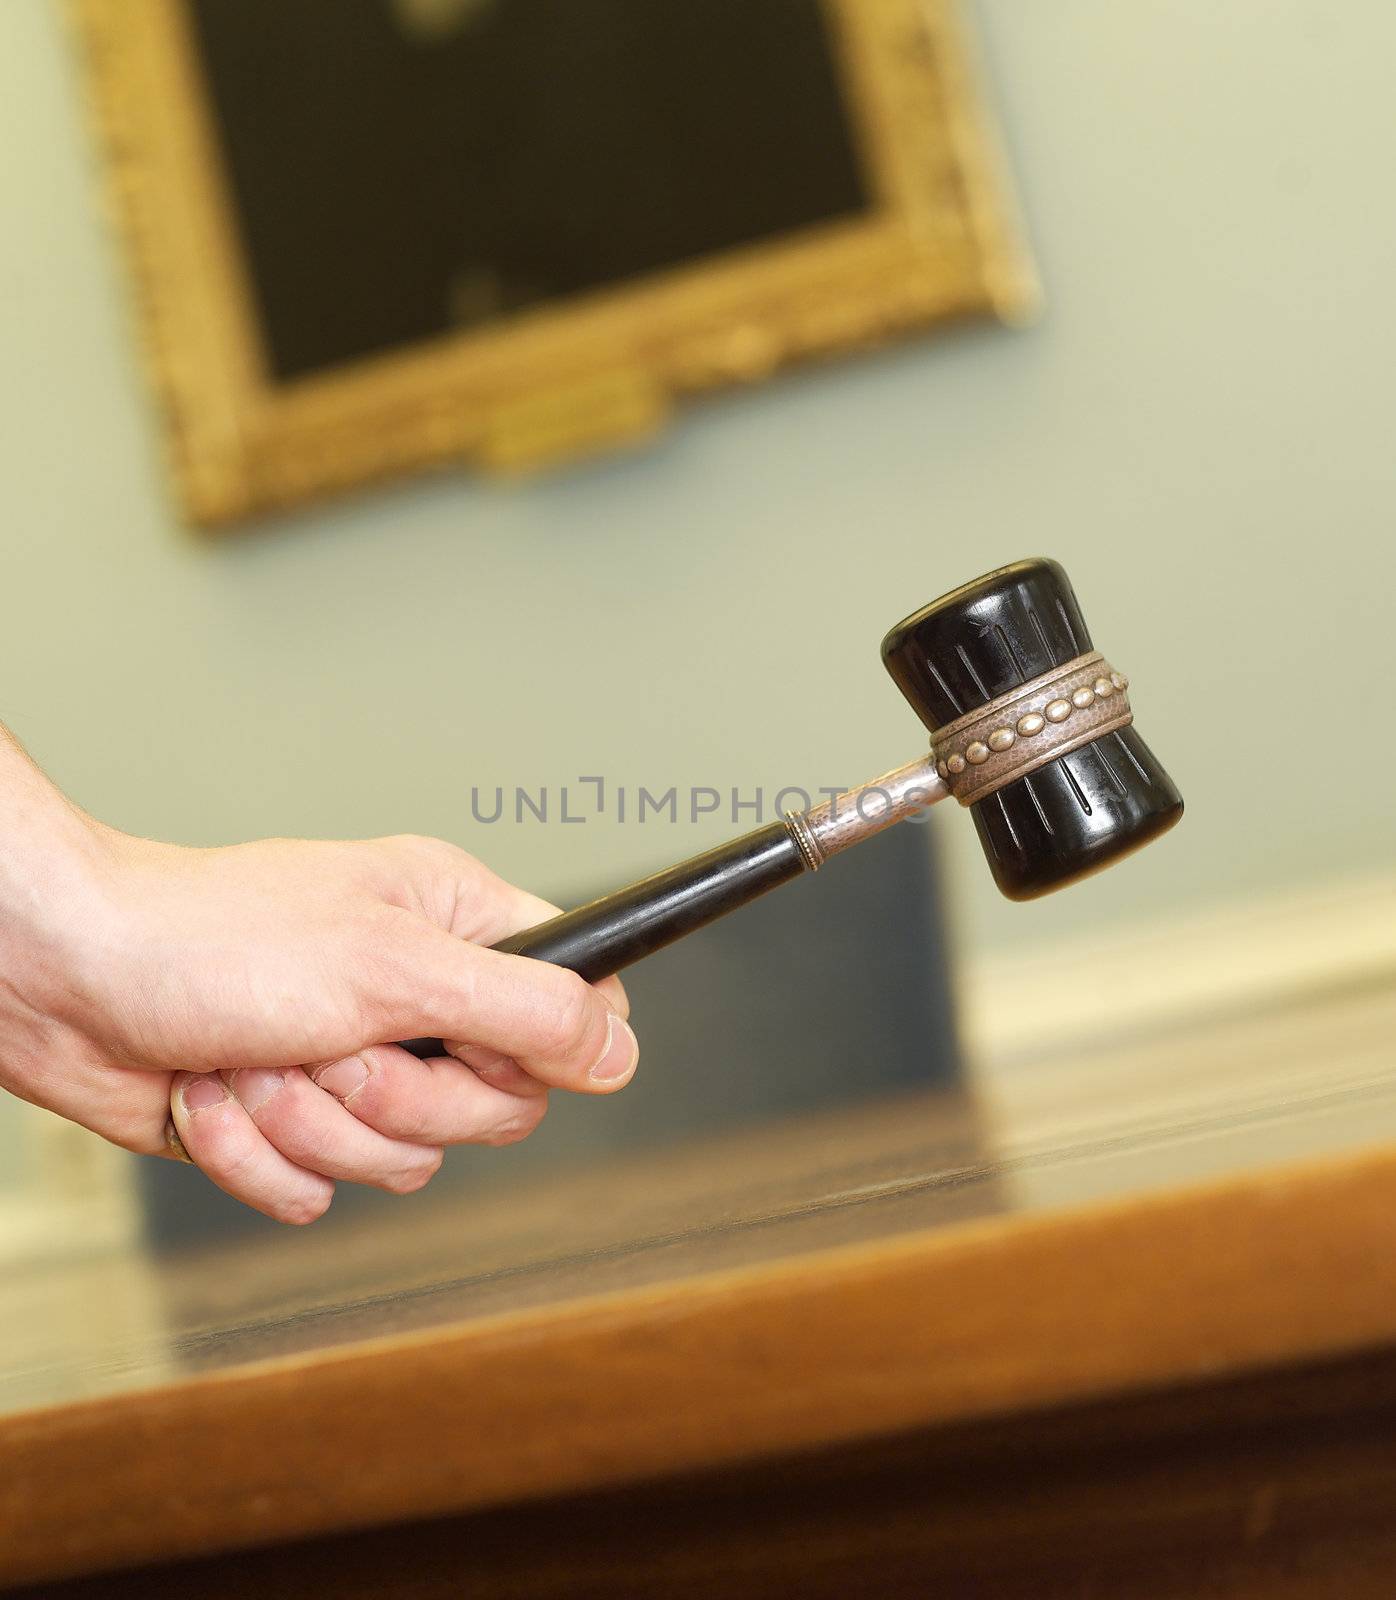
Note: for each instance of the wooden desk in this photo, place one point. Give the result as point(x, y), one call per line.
point(1126, 1325)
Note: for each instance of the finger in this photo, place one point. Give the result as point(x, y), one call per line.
point(227, 1145)
point(129, 1108)
point(499, 1071)
point(612, 991)
point(558, 1027)
point(311, 1128)
point(438, 1101)
point(461, 895)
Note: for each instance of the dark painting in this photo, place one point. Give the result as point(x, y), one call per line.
point(405, 168)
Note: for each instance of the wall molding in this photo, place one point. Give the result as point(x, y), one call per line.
point(1259, 950)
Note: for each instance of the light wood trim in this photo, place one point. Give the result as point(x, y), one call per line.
point(1244, 954)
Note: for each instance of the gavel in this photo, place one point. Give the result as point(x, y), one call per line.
point(1031, 728)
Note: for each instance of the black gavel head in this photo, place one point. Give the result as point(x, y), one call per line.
point(1031, 728)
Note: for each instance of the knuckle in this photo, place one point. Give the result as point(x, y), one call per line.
point(436, 852)
point(316, 1149)
point(410, 1179)
point(571, 1017)
point(519, 1123)
point(301, 1141)
point(406, 1117)
point(230, 1163)
point(139, 1135)
point(410, 1124)
point(417, 843)
point(298, 1210)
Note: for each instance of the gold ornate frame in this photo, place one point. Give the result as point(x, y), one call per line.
point(563, 380)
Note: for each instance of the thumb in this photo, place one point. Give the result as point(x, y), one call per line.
point(559, 1028)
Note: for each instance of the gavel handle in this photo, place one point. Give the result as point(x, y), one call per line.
point(598, 939)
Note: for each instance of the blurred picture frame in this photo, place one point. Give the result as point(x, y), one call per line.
point(374, 236)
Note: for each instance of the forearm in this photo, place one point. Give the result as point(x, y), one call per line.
point(42, 832)
point(50, 853)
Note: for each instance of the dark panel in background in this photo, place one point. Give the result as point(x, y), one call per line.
point(396, 182)
point(833, 990)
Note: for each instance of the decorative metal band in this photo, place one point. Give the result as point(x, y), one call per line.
point(1031, 725)
point(805, 842)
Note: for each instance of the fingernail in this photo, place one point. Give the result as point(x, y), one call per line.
point(254, 1086)
point(341, 1078)
point(620, 1055)
point(201, 1093)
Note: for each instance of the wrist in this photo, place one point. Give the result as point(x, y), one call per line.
point(52, 864)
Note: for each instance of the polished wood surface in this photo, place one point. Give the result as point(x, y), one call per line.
point(1271, 1487)
point(1197, 1211)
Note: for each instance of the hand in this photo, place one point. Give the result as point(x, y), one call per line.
point(252, 992)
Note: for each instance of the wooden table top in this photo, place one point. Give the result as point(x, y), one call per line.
point(1208, 1201)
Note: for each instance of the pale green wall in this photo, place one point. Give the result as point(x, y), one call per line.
point(1200, 428)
